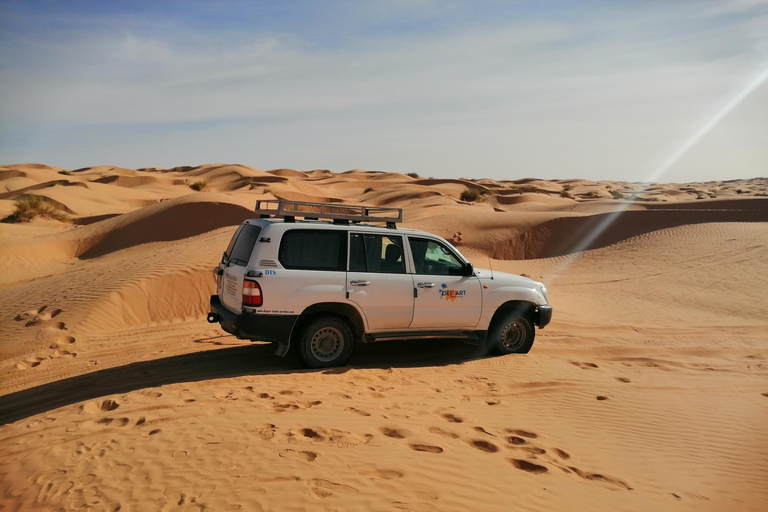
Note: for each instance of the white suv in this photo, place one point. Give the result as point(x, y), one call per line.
point(327, 281)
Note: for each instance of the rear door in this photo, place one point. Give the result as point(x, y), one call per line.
point(445, 298)
point(377, 281)
point(235, 263)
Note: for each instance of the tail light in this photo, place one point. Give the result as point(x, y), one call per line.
point(252, 294)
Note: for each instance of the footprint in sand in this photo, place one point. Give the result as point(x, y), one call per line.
point(266, 431)
point(392, 432)
point(306, 456)
point(321, 488)
point(445, 433)
point(425, 448)
point(452, 418)
point(114, 422)
point(481, 430)
point(331, 437)
point(584, 366)
point(530, 467)
point(597, 477)
point(36, 316)
point(523, 433)
point(63, 341)
point(295, 405)
point(100, 406)
point(484, 446)
point(623, 379)
point(357, 411)
point(29, 363)
point(384, 474)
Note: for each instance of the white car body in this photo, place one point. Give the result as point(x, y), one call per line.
point(434, 294)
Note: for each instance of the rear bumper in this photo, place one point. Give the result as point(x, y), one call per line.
point(543, 316)
point(275, 328)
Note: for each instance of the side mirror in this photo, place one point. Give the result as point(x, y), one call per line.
point(469, 270)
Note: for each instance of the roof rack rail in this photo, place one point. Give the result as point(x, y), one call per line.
point(289, 210)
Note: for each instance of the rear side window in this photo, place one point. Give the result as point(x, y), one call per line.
point(241, 246)
point(376, 253)
point(314, 249)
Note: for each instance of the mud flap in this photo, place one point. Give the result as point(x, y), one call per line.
point(281, 348)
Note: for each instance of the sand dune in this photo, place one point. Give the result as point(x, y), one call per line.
point(647, 392)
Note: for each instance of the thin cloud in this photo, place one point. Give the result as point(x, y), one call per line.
point(593, 93)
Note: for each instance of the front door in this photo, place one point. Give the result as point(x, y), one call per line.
point(377, 282)
point(445, 298)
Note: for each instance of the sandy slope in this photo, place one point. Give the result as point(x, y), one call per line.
point(647, 392)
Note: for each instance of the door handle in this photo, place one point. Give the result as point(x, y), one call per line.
point(426, 285)
point(359, 283)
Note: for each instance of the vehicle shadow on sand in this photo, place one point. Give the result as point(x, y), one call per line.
point(220, 364)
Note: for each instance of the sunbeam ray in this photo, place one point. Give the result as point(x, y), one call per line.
point(663, 169)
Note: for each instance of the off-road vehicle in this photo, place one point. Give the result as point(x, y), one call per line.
point(319, 277)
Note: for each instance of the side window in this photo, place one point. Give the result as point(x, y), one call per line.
point(433, 258)
point(228, 252)
point(314, 249)
point(376, 253)
point(242, 244)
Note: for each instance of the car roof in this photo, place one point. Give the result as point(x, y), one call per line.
point(322, 224)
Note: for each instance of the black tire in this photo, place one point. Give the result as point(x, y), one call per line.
point(513, 333)
point(325, 342)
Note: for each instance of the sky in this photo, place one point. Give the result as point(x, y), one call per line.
point(667, 91)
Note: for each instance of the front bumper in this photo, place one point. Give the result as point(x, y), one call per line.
point(274, 328)
point(543, 316)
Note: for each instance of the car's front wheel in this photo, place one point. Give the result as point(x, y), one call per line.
point(325, 342)
point(512, 334)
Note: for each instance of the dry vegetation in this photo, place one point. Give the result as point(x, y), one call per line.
point(29, 206)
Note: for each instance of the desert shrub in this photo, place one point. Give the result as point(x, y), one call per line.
point(29, 206)
point(469, 195)
point(616, 194)
point(197, 186)
point(413, 175)
point(566, 194)
point(65, 173)
point(369, 189)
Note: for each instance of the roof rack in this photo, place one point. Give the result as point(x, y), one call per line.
point(339, 213)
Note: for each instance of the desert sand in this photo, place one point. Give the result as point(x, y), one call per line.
point(649, 390)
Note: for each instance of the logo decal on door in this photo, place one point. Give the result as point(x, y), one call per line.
point(451, 295)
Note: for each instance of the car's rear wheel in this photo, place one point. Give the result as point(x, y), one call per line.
point(512, 334)
point(325, 342)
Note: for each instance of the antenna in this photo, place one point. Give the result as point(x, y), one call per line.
point(490, 267)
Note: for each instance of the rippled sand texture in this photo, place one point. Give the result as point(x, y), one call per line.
point(649, 390)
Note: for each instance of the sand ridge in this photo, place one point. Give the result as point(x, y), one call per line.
point(647, 392)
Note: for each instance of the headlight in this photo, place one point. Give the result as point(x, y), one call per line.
point(544, 293)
